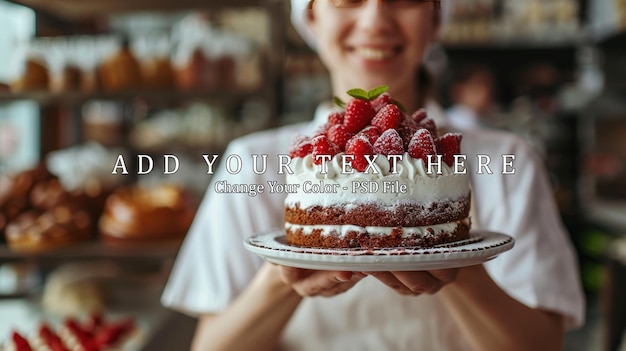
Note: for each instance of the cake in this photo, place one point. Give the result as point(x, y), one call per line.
point(356, 204)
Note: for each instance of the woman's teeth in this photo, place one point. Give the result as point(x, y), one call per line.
point(374, 54)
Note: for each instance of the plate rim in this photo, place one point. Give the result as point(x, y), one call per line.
point(438, 257)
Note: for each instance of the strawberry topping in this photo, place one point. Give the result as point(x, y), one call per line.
point(422, 145)
point(419, 115)
point(371, 133)
point(388, 117)
point(335, 118)
point(358, 114)
point(300, 146)
point(381, 101)
point(449, 145)
point(359, 147)
point(338, 135)
point(322, 146)
point(389, 143)
point(429, 124)
point(373, 123)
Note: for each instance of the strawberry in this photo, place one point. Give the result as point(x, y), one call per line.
point(21, 344)
point(407, 129)
point(419, 115)
point(388, 117)
point(300, 146)
point(339, 135)
point(322, 146)
point(85, 340)
point(449, 145)
point(429, 124)
point(389, 143)
point(371, 133)
point(381, 101)
point(321, 130)
point(110, 334)
point(335, 118)
point(359, 146)
point(358, 114)
point(51, 339)
point(422, 145)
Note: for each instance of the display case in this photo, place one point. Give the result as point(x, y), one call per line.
point(206, 115)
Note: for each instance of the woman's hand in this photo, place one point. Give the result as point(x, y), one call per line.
point(308, 282)
point(416, 283)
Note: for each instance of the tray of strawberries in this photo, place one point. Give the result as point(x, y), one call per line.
point(95, 333)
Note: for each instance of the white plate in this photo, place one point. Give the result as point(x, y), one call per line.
point(480, 247)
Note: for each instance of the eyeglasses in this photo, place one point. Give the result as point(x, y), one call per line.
point(392, 3)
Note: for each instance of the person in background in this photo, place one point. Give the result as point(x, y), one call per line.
point(472, 90)
point(523, 300)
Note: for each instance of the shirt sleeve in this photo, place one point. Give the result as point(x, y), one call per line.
point(541, 270)
point(213, 266)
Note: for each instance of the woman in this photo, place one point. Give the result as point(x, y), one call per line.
point(523, 300)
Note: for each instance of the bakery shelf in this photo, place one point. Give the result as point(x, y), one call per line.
point(94, 250)
point(44, 97)
point(80, 9)
point(515, 44)
point(612, 39)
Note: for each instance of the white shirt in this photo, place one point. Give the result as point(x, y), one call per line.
point(463, 118)
point(213, 266)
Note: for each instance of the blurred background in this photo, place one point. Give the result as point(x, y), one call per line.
point(84, 251)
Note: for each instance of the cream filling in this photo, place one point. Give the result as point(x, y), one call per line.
point(343, 230)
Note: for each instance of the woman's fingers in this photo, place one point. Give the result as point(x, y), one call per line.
point(318, 283)
point(415, 283)
point(419, 282)
point(392, 281)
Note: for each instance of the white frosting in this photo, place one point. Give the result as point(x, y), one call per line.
point(342, 230)
point(383, 183)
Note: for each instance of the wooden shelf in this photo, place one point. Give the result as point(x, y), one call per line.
point(44, 97)
point(515, 45)
point(95, 250)
point(82, 9)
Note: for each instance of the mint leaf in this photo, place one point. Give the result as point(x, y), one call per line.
point(376, 92)
point(400, 106)
point(359, 94)
point(338, 102)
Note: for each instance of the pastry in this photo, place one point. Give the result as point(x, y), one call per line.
point(146, 214)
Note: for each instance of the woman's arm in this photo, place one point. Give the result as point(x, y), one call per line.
point(256, 318)
point(489, 318)
point(492, 320)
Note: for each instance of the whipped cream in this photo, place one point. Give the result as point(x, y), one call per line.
point(343, 230)
point(420, 187)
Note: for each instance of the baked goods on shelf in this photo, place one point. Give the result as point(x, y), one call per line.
point(121, 71)
point(40, 210)
point(34, 78)
point(157, 73)
point(37, 232)
point(138, 214)
point(15, 192)
point(356, 204)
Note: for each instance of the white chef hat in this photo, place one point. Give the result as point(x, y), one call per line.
point(299, 15)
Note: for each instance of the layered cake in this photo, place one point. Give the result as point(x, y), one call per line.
point(374, 176)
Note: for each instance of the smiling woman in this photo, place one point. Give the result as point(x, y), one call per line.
point(372, 43)
point(523, 300)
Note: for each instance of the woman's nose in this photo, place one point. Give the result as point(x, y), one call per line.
point(375, 16)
